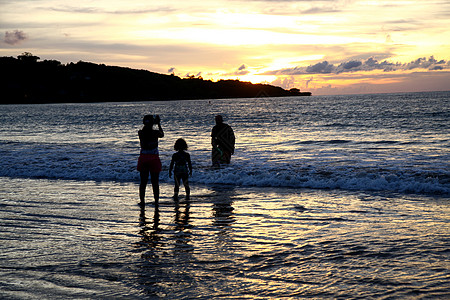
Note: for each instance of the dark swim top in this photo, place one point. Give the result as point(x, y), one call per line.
point(149, 139)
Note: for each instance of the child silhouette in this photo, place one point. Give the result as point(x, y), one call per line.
point(182, 167)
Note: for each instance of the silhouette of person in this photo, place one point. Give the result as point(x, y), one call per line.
point(183, 167)
point(222, 141)
point(149, 162)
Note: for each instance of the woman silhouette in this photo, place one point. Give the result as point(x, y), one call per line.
point(149, 162)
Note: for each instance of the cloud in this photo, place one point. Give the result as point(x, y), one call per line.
point(386, 83)
point(424, 63)
point(189, 75)
point(308, 81)
point(368, 65)
point(171, 70)
point(319, 10)
point(15, 37)
point(351, 65)
point(286, 82)
point(158, 58)
point(241, 71)
point(437, 68)
point(322, 67)
point(95, 10)
point(67, 9)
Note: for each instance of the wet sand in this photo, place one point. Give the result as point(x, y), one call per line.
point(73, 239)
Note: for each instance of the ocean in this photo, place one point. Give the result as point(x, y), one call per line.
point(326, 197)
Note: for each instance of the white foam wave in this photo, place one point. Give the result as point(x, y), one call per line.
point(101, 164)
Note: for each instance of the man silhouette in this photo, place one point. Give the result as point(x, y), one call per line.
point(222, 141)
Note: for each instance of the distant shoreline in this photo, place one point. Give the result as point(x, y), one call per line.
point(25, 80)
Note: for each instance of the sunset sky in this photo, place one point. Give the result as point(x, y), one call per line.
point(326, 47)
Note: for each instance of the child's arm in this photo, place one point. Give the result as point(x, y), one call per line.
point(171, 167)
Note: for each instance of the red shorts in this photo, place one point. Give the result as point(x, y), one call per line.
point(149, 163)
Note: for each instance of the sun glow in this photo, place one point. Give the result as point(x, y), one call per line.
point(240, 37)
point(255, 78)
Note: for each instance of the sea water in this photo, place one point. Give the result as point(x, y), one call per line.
point(326, 197)
point(388, 142)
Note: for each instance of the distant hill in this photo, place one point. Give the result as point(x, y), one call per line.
point(26, 80)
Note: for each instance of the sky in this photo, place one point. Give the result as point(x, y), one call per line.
point(325, 47)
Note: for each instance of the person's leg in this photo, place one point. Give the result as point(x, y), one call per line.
point(227, 157)
point(176, 189)
point(215, 156)
point(142, 186)
point(186, 186)
point(155, 185)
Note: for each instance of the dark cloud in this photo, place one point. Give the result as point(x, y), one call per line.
point(415, 82)
point(430, 63)
point(322, 67)
point(350, 65)
point(241, 70)
point(15, 37)
point(368, 65)
point(197, 75)
point(371, 62)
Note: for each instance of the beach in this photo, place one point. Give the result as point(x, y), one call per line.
point(70, 239)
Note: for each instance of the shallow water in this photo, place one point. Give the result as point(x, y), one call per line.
point(72, 239)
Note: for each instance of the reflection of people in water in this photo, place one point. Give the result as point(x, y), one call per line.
point(223, 210)
point(182, 217)
point(183, 167)
point(222, 141)
point(149, 162)
point(150, 234)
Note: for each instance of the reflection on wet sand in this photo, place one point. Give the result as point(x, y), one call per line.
point(223, 210)
point(150, 231)
point(170, 243)
point(181, 228)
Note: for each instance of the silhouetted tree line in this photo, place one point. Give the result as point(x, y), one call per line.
point(26, 80)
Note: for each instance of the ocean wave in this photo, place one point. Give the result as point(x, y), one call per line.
point(346, 178)
point(106, 165)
